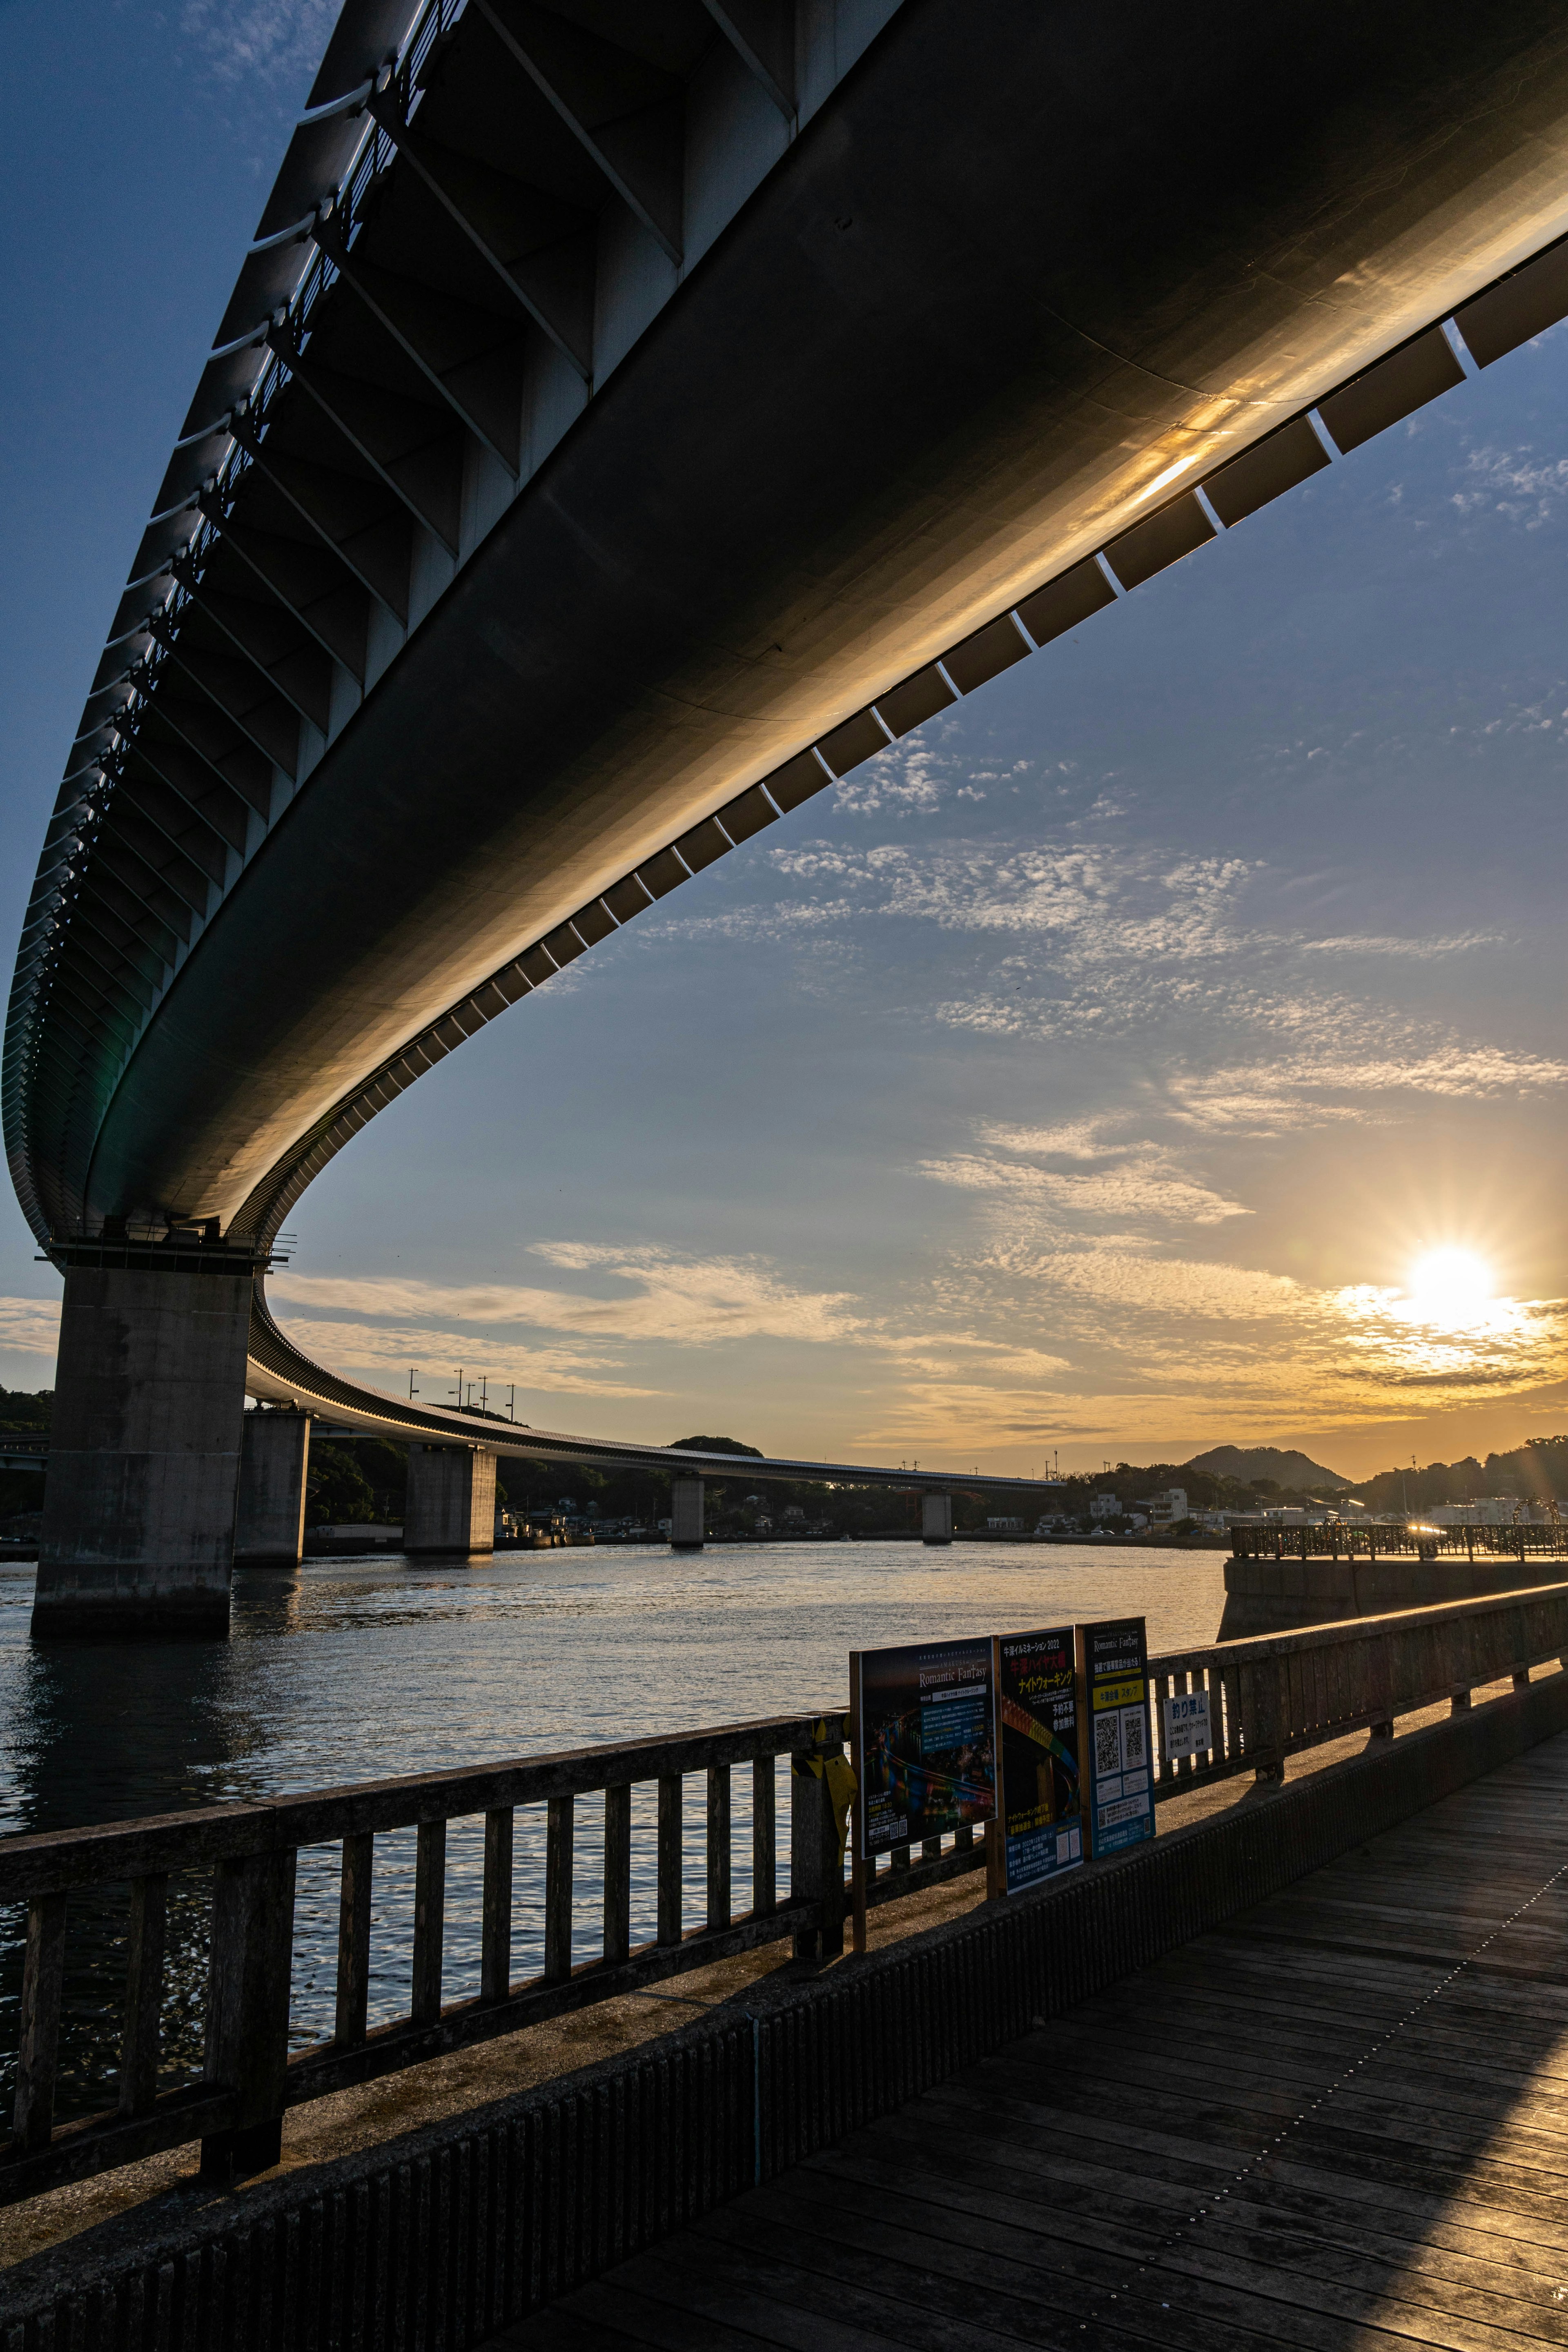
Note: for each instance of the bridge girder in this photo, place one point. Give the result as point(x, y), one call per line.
point(932, 363)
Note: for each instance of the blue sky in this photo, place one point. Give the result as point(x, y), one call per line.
point(1088, 1074)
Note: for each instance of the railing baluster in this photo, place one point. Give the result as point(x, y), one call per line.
point(354, 1941)
point(764, 1835)
point(718, 1845)
point(669, 1911)
point(248, 2007)
point(618, 1871)
point(494, 1934)
point(138, 2034)
point(430, 1921)
point(43, 1973)
point(558, 1837)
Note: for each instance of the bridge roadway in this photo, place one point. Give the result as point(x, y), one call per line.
point(623, 423)
point(1340, 2121)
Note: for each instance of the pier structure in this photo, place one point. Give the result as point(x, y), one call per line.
point(464, 563)
point(274, 1476)
point(451, 1503)
point(1108, 1997)
point(936, 1518)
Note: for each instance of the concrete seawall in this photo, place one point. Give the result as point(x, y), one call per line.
point(1281, 1596)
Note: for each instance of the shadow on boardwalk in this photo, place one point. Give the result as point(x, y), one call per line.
point(1341, 2120)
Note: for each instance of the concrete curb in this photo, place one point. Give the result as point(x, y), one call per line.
point(438, 2241)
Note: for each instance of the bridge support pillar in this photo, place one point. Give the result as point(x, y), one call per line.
point(138, 1529)
point(451, 1503)
point(936, 1518)
point(274, 1464)
point(685, 1512)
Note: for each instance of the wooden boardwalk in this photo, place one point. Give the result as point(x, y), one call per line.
point(1342, 2120)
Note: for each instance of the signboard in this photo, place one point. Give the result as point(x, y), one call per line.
point(1187, 1724)
point(1038, 1797)
point(925, 1742)
point(1113, 1661)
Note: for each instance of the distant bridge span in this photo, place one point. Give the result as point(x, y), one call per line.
point(626, 420)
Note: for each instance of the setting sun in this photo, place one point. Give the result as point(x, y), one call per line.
point(1451, 1283)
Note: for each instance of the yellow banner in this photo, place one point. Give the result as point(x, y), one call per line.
point(1118, 1694)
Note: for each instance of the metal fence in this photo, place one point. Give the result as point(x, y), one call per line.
point(1269, 1699)
point(1357, 1540)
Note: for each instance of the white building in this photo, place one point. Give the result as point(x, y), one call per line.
point(1166, 1509)
point(1105, 1507)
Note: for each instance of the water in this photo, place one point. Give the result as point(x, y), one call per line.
point(361, 1669)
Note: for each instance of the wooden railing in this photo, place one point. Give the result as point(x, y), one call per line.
point(1269, 1699)
point(1348, 1539)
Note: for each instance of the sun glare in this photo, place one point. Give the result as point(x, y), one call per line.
point(1450, 1286)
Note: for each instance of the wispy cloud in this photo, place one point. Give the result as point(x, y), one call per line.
point(1149, 1189)
point(272, 42)
point(30, 1325)
point(640, 1294)
point(1518, 484)
point(353, 1344)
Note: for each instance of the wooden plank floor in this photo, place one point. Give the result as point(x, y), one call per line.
point(1342, 2120)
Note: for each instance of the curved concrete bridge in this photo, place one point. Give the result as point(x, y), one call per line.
point(624, 422)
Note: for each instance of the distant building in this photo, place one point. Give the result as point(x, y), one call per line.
point(1005, 1527)
point(1166, 1509)
point(1105, 1507)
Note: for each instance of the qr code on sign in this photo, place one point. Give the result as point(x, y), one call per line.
point(1134, 1745)
point(1107, 1745)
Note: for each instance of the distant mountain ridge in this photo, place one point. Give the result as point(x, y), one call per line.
point(1250, 1462)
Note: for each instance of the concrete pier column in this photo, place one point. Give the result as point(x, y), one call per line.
point(274, 1464)
point(936, 1518)
point(451, 1503)
point(138, 1529)
point(684, 1511)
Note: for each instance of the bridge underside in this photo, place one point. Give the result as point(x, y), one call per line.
point(1025, 277)
point(1023, 273)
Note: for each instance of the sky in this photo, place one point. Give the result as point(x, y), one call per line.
point(1091, 1077)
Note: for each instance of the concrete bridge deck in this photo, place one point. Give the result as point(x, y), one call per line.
point(1339, 2120)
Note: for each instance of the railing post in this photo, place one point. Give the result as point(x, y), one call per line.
point(764, 1893)
point(815, 1874)
point(248, 2009)
point(139, 2038)
point(430, 1921)
point(558, 1841)
point(43, 1973)
point(495, 1926)
point(352, 2010)
point(1268, 1755)
point(718, 1845)
point(617, 1870)
point(670, 1913)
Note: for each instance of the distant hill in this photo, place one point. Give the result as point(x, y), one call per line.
point(1249, 1462)
point(714, 1445)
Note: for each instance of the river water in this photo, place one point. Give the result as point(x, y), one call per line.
point(350, 1669)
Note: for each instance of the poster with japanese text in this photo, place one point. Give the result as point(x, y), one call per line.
point(1113, 1665)
point(1036, 1714)
point(925, 1740)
